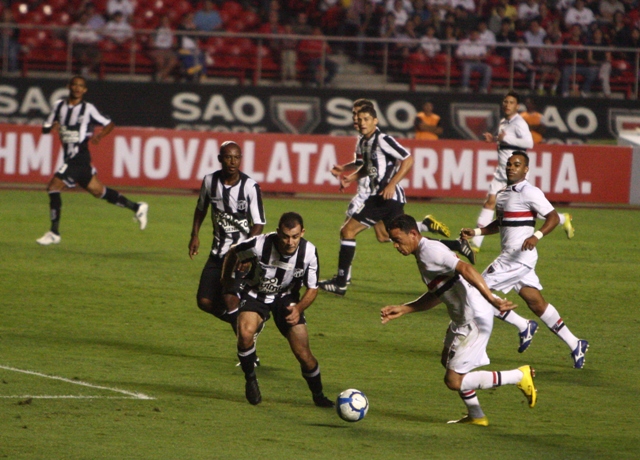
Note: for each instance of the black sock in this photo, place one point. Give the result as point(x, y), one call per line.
point(247, 361)
point(314, 380)
point(454, 245)
point(345, 258)
point(55, 208)
point(113, 197)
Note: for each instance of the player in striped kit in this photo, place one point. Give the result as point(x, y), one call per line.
point(237, 213)
point(281, 263)
point(73, 119)
point(470, 305)
point(517, 207)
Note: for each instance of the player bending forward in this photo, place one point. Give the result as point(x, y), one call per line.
point(470, 305)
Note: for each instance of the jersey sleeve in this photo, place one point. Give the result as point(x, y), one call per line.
point(204, 198)
point(48, 123)
point(256, 207)
point(250, 248)
point(96, 116)
point(312, 271)
point(520, 135)
point(391, 147)
point(537, 201)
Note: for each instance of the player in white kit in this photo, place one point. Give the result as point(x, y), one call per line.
point(517, 207)
point(470, 305)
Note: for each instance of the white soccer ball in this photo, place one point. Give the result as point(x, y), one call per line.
point(352, 405)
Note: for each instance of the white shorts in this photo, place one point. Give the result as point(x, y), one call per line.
point(505, 274)
point(467, 345)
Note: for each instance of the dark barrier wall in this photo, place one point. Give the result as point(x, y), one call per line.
point(247, 109)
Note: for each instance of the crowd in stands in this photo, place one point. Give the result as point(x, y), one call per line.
point(420, 31)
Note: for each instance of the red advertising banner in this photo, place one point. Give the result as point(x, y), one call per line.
point(302, 163)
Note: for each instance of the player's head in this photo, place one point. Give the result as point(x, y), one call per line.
point(510, 104)
point(357, 105)
point(230, 157)
point(367, 119)
point(427, 106)
point(517, 167)
point(290, 232)
point(403, 231)
point(77, 87)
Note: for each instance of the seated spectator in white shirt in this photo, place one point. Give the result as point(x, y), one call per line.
point(468, 5)
point(84, 41)
point(528, 10)
point(523, 61)
point(126, 7)
point(485, 35)
point(402, 16)
point(579, 14)
point(607, 8)
point(535, 35)
point(118, 30)
point(471, 54)
point(430, 44)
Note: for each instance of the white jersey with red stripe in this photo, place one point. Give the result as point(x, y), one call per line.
point(437, 265)
point(517, 207)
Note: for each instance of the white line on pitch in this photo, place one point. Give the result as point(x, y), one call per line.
point(78, 382)
point(65, 397)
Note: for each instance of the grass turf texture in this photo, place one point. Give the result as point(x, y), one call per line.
point(115, 307)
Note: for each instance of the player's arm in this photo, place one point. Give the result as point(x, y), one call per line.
point(551, 221)
point(425, 302)
point(103, 133)
point(519, 137)
point(422, 126)
point(390, 190)
point(194, 242)
point(51, 124)
point(296, 310)
point(490, 229)
point(476, 280)
point(229, 296)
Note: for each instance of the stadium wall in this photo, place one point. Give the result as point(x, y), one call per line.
point(290, 163)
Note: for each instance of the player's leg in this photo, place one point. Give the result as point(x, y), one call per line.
point(248, 323)
point(431, 224)
point(381, 232)
point(54, 189)
point(209, 296)
point(485, 217)
point(99, 190)
point(550, 316)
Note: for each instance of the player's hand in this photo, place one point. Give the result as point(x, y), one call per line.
point(194, 245)
point(503, 304)
point(388, 192)
point(501, 135)
point(231, 301)
point(488, 137)
point(336, 170)
point(244, 267)
point(530, 243)
point(345, 181)
point(391, 312)
point(294, 315)
point(55, 127)
point(467, 233)
point(95, 140)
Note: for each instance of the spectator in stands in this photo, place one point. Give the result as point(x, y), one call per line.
point(547, 62)
point(117, 29)
point(409, 38)
point(528, 10)
point(162, 50)
point(505, 36)
point(579, 14)
point(323, 77)
point(207, 18)
point(534, 36)
point(510, 11)
point(495, 20)
point(96, 18)
point(84, 41)
point(302, 26)
point(126, 7)
point(468, 5)
point(430, 44)
point(578, 67)
point(485, 35)
point(619, 32)
point(547, 15)
point(634, 42)
point(421, 11)
point(534, 120)
point(554, 32)
point(288, 56)
point(388, 28)
point(189, 52)
point(471, 54)
point(523, 61)
point(601, 60)
point(400, 13)
point(465, 20)
point(9, 41)
point(427, 123)
point(607, 9)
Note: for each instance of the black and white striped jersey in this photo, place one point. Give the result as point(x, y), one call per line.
point(234, 209)
point(380, 157)
point(274, 275)
point(76, 127)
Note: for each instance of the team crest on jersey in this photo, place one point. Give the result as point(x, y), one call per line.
point(623, 120)
point(242, 205)
point(298, 273)
point(473, 120)
point(295, 114)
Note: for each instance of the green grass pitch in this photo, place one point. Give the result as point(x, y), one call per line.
point(111, 313)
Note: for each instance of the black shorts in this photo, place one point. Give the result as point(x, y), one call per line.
point(278, 309)
point(377, 209)
point(210, 286)
point(73, 174)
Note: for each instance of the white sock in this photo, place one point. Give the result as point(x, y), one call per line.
point(512, 317)
point(484, 219)
point(483, 380)
point(470, 399)
point(552, 319)
point(422, 227)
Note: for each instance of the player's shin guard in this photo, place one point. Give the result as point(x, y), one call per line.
point(314, 379)
point(55, 209)
point(114, 197)
point(247, 361)
point(511, 317)
point(552, 319)
point(345, 258)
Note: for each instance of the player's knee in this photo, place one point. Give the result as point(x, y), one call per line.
point(452, 384)
point(207, 306)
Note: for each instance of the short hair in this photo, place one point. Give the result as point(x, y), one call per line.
point(229, 145)
point(403, 222)
point(362, 102)
point(290, 220)
point(523, 154)
point(514, 95)
point(370, 110)
point(80, 77)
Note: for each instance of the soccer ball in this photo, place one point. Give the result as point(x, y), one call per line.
point(352, 405)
